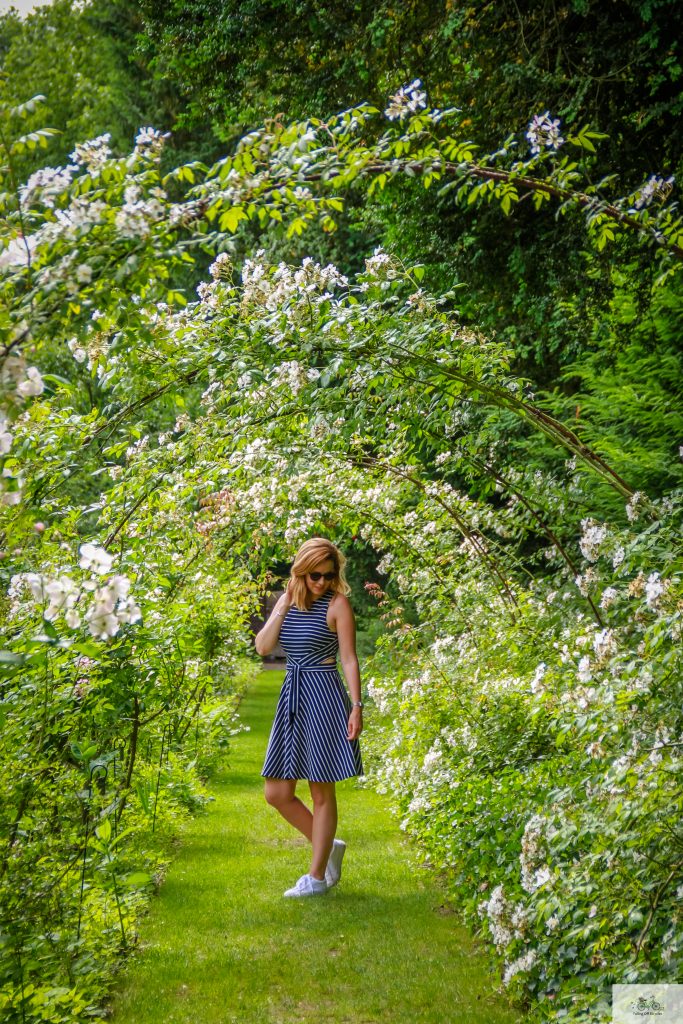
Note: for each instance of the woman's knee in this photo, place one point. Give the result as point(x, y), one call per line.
point(323, 793)
point(278, 792)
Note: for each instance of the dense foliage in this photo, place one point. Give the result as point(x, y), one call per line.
point(170, 434)
point(207, 72)
point(122, 659)
point(527, 279)
point(239, 62)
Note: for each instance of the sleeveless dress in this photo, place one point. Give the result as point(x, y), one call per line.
point(308, 739)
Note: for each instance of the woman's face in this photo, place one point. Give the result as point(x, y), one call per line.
point(320, 586)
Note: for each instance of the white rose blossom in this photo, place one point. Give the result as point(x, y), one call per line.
point(105, 606)
point(92, 154)
point(655, 186)
point(523, 963)
point(32, 384)
point(604, 643)
point(408, 100)
point(536, 683)
point(6, 437)
point(609, 596)
point(95, 558)
point(654, 588)
point(584, 671)
point(594, 535)
point(46, 185)
point(635, 505)
point(544, 132)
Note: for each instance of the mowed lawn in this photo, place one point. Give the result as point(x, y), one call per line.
point(220, 944)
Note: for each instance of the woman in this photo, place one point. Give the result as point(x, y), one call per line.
point(316, 727)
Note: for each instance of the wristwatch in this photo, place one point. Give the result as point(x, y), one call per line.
point(357, 704)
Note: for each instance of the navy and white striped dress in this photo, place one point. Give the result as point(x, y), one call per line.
point(309, 738)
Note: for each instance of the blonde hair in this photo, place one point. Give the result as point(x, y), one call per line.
point(310, 554)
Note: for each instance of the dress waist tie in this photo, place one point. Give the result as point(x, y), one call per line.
point(293, 677)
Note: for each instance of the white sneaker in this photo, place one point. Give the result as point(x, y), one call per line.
point(334, 862)
point(308, 886)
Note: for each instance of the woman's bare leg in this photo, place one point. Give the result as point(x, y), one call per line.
point(324, 825)
point(280, 793)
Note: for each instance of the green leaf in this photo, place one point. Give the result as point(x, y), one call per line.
point(229, 220)
point(104, 830)
point(136, 879)
point(28, 107)
point(84, 750)
point(296, 227)
point(49, 631)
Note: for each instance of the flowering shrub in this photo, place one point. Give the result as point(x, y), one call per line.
point(121, 659)
point(112, 716)
point(111, 605)
point(549, 791)
point(164, 452)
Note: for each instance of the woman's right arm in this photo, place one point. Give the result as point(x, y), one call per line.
point(267, 637)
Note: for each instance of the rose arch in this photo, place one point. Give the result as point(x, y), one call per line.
point(160, 455)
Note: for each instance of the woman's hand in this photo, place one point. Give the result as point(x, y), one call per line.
point(355, 723)
point(286, 600)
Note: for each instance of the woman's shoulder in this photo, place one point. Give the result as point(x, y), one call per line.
point(339, 602)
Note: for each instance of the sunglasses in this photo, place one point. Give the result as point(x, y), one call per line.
point(315, 576)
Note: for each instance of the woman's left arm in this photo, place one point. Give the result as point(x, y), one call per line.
point(346, 631)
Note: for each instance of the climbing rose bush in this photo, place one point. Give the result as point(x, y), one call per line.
point(102, 605)
point(161, 451)
point(539, 765)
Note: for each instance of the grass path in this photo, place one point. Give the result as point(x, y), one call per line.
point(221, 946)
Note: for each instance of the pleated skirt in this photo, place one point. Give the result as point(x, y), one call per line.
point(313, 744)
